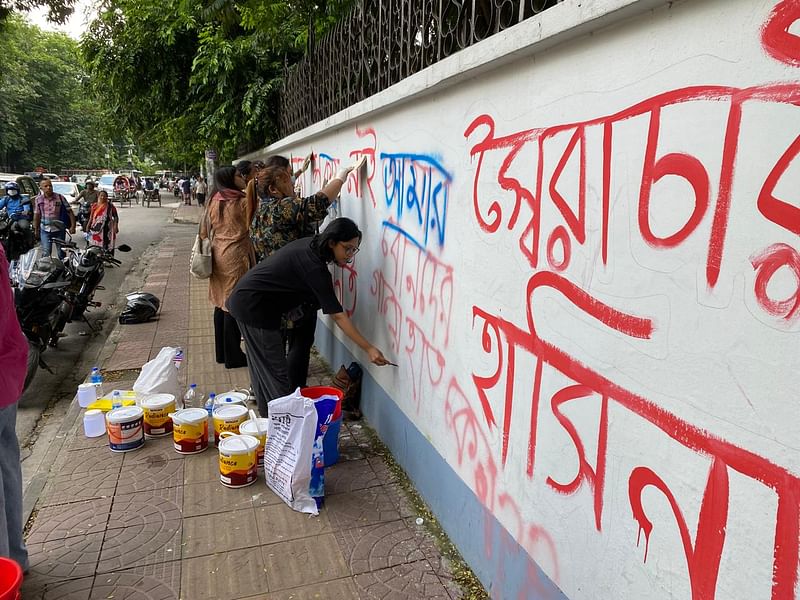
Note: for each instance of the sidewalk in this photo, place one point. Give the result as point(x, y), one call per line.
point(158, 525)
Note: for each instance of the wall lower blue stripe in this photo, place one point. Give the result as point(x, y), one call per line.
point(502, 565)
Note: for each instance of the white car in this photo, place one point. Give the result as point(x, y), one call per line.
point(106, 182)
point(70, 191)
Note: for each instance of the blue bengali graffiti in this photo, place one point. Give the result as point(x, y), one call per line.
point(417, 189)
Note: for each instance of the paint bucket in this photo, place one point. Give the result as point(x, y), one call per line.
point(157, 408)
point(330, 441)
point(228, 418)
point(238, 466)
point(249, 428)
point(190, 430)
point(231, 397)
point(125, 427)
point(10, 579)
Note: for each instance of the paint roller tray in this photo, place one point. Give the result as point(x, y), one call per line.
point(104, 403)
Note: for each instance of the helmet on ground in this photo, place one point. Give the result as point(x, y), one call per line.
point(140, 307)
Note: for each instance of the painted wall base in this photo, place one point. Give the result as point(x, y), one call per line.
point(505, 569)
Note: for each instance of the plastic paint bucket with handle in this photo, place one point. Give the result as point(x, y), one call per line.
point(157, 408)
point(249, 428)
point(238, 466)
point(125, 427)
point(228, 418)
point(10, 579)
point(190, 430)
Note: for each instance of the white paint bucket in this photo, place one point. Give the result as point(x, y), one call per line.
point(157, 408)
point(231, 397)
point(190, 430)
point(125, 427)
point(249, 428)
point(228, 418)
point(237, 459)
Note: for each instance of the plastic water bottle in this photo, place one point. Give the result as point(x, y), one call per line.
point(210, 409)
point(190, 397)
point(96, 378)
point(116, 400)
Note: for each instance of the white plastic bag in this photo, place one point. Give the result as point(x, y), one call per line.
point(287, 456)
point(159, 376)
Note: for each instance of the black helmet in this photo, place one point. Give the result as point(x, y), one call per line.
point(140, 307)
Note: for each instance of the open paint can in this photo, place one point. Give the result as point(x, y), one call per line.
point(237, 459)
point(228, 418)
point(249, 428)
point(157, 408)
point(125, 427)
point(190, 430)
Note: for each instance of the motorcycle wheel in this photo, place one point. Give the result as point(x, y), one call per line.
point(33, 364)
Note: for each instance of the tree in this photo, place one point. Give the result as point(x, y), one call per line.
point(49, 112)
point(185, 76)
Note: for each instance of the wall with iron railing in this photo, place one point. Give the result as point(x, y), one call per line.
point(381, 42)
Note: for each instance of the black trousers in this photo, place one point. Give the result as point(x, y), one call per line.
point(228, 340)
point(300, 339)
point(266, 361)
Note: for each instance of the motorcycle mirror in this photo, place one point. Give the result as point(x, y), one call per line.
point(124, 248)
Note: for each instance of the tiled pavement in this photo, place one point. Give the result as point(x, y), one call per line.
point(153, 524)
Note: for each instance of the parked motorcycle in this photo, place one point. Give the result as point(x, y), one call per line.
point(85, 270)
point(38, 299)
point(51, 293)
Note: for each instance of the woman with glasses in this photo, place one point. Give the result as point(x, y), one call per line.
point(280, 218)
point(293, 280)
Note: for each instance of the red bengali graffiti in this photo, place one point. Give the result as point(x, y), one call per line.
point(775, 36)
point(766, 264)
point(354, 183)
point(346, 291)
point(704, 556)
point(527, 200)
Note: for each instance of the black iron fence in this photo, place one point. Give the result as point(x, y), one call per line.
point(381, 42)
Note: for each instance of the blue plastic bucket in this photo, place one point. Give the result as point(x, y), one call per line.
point(330, 443)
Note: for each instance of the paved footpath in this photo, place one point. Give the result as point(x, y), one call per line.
point(153, 524)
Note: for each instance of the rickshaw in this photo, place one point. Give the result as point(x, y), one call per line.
point(150, 195)
point(122, 190)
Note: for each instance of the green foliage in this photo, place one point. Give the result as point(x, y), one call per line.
point(58, 10)
point(183, 76)
point(49, 114)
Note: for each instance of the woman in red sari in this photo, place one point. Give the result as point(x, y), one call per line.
point(103, 225)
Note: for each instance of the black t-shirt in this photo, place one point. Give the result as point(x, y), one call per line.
point(294, 275)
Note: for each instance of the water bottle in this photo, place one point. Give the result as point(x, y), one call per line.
point(96, 379)
point(116, 400)
point(178, 360)
point(190, 397)
point(210, 409)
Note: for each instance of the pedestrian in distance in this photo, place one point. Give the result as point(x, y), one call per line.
point(103, 224)
point(200, 190)
point(225, 222)
point(49, 207)
point(14, 357)
point(88, 194)
point(186, 191)
point(293, 280)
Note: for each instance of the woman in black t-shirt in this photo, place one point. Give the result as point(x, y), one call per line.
point(294, 279)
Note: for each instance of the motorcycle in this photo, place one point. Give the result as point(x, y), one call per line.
point(85, 268)
point(38, 299)
point(16, 236)
point(49, 293)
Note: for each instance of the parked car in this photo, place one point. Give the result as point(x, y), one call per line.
point(26, 183)
point(70, 191)
point(106, 182)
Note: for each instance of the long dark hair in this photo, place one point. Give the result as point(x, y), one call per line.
point(338, 230)
point(276, 160)
point(224, 179)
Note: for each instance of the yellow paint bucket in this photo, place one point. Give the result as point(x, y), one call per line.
point(157, 408)
point(228, 418)
point(249, 428)
point(237, 459)
point(190, 430)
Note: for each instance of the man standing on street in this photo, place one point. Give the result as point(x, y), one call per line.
point(14, 358)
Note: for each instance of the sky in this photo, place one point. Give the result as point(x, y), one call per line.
point(73, 28)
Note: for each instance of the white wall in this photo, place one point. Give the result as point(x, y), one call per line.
point(614, 348)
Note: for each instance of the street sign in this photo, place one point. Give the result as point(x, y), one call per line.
point(211, 154)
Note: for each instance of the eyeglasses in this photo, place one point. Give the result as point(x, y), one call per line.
point(350, 250)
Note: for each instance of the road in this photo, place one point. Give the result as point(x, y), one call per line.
point(46, 401)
